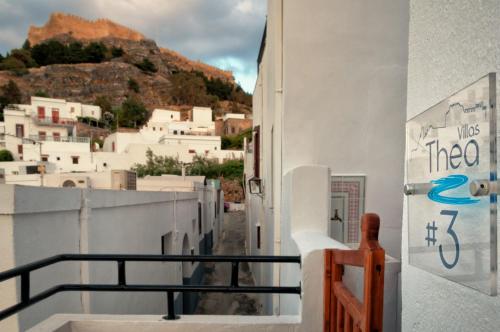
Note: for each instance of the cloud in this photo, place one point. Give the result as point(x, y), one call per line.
point(225, 33)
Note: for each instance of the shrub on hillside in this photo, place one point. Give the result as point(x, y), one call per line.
point(16, 66)
point(146, 66)
point(117, 52)
point(133, 85)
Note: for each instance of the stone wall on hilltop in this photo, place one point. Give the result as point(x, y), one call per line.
point(79, 28)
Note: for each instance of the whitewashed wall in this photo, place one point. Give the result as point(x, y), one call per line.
point(451, 44)
point(330, 91)
point(344, 65)
point(41, 222)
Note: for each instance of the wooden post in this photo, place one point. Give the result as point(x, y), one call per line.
point(343, 311)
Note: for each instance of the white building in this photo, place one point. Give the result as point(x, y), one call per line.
point(238, 116)
point(166, 135)
point(45, 130)
point(169, 122)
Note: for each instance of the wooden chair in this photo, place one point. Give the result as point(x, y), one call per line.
point(343, 311)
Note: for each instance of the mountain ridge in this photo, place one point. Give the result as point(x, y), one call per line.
point(79, 28)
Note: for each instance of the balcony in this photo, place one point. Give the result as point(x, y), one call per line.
point(54, 121)
point(68, 139)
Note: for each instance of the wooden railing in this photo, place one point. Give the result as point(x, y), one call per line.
point(343, 311)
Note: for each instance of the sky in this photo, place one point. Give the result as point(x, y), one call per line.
point(223, 33)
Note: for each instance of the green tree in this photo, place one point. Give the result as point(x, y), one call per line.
point(146, 66)
point(16, 66)
point(27, 45)
point(6, 155)
point(75, 53)
point(235, 142)
point(104, 103)
point(48, 53)
point(95, 52)
point(132, 113)
point(11, 93)
point(117, 52)
point(133, 85)
point(24, 56)
point(158, 165)
point(41, 93)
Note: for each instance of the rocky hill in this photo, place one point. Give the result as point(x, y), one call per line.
point(111, 78)
point(61, 24)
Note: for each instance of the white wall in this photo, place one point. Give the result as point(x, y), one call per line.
point(330, 91)
point(50, 221)
point(344, 92)
point(451, 45)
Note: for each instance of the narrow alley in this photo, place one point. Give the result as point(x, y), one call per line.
point(232, 242)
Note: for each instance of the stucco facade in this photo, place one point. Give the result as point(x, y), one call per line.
point(329, 92)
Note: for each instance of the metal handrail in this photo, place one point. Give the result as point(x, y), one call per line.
point(122, 286)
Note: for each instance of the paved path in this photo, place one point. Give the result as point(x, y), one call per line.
point(232, 242)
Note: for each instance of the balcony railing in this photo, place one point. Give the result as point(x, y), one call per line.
point(122, 285)
point(67, 139)
point(54, 121)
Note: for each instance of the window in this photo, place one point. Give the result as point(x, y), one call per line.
point(113, 146)
point(258, 237)
point(42, 135)
point(199, 218)
point(55, 115)
point(192, 151)
point(161, 128)
point(72, 110)
point(182, 132)
point(92, 112)
point(56, 137)
point(20, 149)
point(58, 158)
point(19, 130)
point(256, 152)
point(175, 132)
point(45, 157)
point(41, 112)
point(171, 116)
point(233, 130)
point(75, 159)
point(154, 128)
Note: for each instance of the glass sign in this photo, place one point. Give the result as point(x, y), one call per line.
point(451, 187)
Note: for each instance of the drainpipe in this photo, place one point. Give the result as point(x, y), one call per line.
point(278, 94)
point(84, 216)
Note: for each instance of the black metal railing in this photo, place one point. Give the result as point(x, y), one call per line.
point(122, 285)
